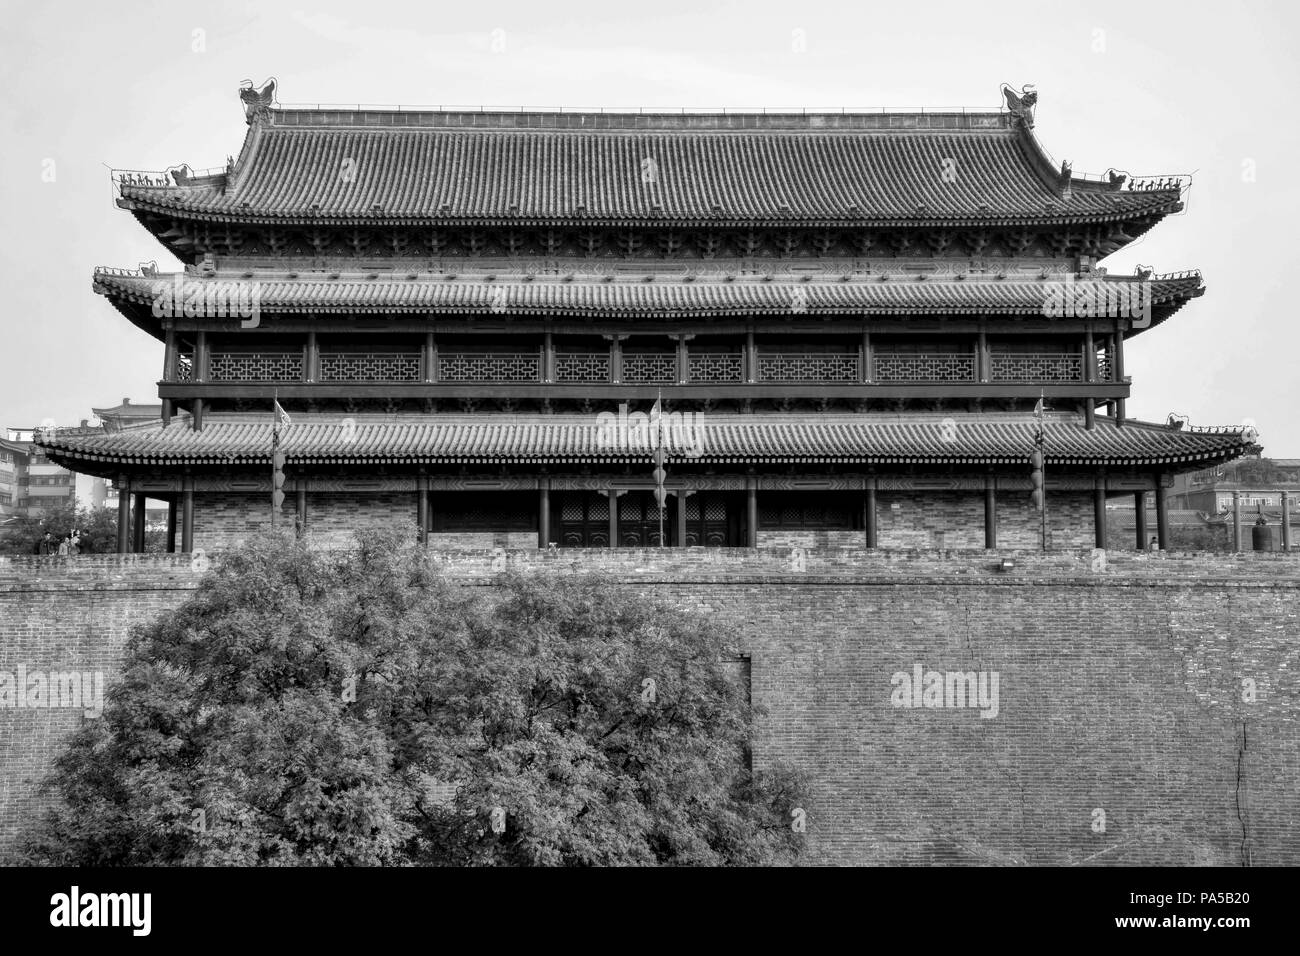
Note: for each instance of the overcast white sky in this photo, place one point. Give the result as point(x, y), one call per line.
point(1148, 87)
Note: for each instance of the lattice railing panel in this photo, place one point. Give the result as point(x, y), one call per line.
point(369, 367)
point(255, 367)
point(650, 368)
point(582, 367)
point(1103, 366)
point(185, 368)
point(1036, 367)
point(716, 367)
point(924, 367)
point(488, 367)
point(808, 367)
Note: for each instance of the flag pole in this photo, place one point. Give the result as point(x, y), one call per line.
point(659, 444)
point(1040, 442)
point(275, 447)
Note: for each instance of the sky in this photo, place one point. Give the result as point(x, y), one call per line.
point(1153, 88)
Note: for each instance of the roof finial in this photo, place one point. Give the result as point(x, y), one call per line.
point(1020, 105)
point(257, 103)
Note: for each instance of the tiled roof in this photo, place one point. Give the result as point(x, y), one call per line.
point(497, 438)
point(666, 296)
point(129, 409)
point(544, 168)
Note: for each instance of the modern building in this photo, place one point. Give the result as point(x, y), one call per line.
point(30, 483)
point(841, 329)
point(1240, 493)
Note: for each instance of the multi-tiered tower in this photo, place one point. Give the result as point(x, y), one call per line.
point(467, 315)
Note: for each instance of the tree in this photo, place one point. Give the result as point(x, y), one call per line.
point(320, 708)
point(97, 528)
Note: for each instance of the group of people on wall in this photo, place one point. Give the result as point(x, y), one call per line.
point(68, 544)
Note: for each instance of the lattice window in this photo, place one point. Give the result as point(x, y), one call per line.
point(255, 367)
point(924, 367)
point(715, 367)
point(369, 367)
point(652, 368)
point(488, 367)
point(582, 367)
point(807, 367)
point(812, 516)
point(185, 368)
point(1040, 367)
point(630, 508)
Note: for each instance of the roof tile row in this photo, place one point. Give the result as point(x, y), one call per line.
point(859, 439)
point(880, 176)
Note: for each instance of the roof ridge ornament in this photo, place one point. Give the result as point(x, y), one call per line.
point(1020, 104)
point(257, 103)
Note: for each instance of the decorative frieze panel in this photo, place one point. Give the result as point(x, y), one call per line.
point(369, 367)
point(807, 367)
point(582, 367)
point(255, 367)
point(716, 367)
point(489, 367)
point(1037, 367)
point(924, 367)
point(649, 368)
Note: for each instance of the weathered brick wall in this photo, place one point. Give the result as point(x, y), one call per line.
point(333, 521)
point(941, 520)
point(1158, 689)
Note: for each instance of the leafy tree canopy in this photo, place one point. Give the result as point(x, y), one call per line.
point(309, 707)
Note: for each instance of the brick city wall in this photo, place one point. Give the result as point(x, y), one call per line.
point(942, 520)
point(1146, 706)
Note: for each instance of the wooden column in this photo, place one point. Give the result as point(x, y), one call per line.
point(1118, 363)
point(1140, 518)
point(613, 517)
point(199, 374)
point(422, 507)
point(137, 524)
point(869, 522)
point(123, 514)
point(300, 516)
point(982, 362)
point(543, 512)
point(171, 526)
point(548, 356)
point(169, 373)
point(200, 370)
point(430, 358)
point(1099, 511)
point(616, 358)
point(751, 513)
point(1236, 521)
point(1089, 357)
point(990, 512)
point(187, 514)
point(1162, 515)
point(311, 362)
point(751, 357)
point(681, 518)
point(1286, 521)
point(431, 514)
point(683, 359)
